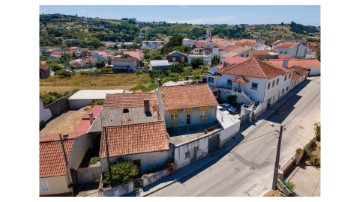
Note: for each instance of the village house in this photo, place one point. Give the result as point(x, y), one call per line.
point(199, 106)
point(101, 55)
point(136, 54)
point(44, 70)
point(152, 44)
point(312, 65)
point(54, 56)
point(89, 61)
point(74, 64)
point(188, 42)
point(238, 51)
point(259, 54)
point(298, 76)
point(125, 63)
point(83, 98)
point(160, 65)
point(251, 81)
point(294, 49)
point(177, 56)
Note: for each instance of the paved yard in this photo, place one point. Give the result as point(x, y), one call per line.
point(64, 123)
point(306, 180)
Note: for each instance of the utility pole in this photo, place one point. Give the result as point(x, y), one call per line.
point(276, 167)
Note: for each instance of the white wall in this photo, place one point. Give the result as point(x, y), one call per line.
point(275, 93)
point(314, 71)
point(77, 104)
point(179, 153)
point(54, 185)
point(256, 95)
point(194, 117)
point(124, 65)
point(45, 114)
point(148, 160)
point(80, 146)
point(227, 133)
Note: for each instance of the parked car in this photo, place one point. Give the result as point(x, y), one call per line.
point(221, 108)
point(229, 108)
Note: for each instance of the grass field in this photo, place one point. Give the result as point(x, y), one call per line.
point(107, 81)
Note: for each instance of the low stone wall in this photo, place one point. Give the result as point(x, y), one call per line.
point(119, 190)
point(59, 106)
point(87, 175)
point(153, 177)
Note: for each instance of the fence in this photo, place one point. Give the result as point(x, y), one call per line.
point(87, 175)
point(59, 106)
point(119, 190)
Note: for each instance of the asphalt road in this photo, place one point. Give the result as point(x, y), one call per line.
point(247, 170)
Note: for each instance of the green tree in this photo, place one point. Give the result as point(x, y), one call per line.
point(176, 68)
point(100, 64)
point(317, 130)
point(64, 73)
point(215, 60)
point(197, 62)
point(95, 43)
point(122, 172)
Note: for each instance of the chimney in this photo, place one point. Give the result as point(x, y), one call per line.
point(91, 115)
point(147, 106)
point(285, 63)
point(159, 82)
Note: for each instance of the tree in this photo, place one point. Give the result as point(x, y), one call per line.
point(197, 62)
point(95, 43)
point(176, 68)
point(317, 130)
point(64, 73)
point(122, 171)
point(100, 64)
point(318, 55)
point(215, 60)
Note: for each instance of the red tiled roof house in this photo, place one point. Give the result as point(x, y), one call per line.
point(186, 105)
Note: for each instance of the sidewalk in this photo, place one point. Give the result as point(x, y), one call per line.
point(201, 164)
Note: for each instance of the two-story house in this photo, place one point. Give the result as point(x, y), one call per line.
point(251, 81)
point(177, 56)
point(294, 49)
point(186, 105)
point(125, 62)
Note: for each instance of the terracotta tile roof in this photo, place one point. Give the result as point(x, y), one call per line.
point(136, 54)
point(259, 52)
point(95, 110)
point(55, 55)
point(284, 56)
point(129, 100)
point(237, 51)
point(298, 72)
point(200, 44)
point(134, 139)
point(43, 65)
point(286, 45)
point(231, 47)
point(187, 96)
point(240, 80)
point(90, 60)
point(123, 58)
point(252, 68)
point(297, 62)
point(52, 162)
point(235, 60)
point(245, 42)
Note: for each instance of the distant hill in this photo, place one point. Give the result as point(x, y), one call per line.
point(88, 32)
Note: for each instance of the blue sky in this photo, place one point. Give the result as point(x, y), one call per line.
point(237, 14)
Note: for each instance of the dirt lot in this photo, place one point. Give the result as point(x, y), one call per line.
point(64, 123)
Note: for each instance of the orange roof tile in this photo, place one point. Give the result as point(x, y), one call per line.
point(240, 80)
point(298, 72)
point(52, 162)
point(283, 56)
point(136, 54)
point(259, 52)
point(252, 68)
point(297, 62)
point(235, 60)
point(129, 100)
point(134, 139)
point(286, 45)
point(187, 96)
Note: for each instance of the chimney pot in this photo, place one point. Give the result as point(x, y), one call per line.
point(147, 106)
point(91, 115)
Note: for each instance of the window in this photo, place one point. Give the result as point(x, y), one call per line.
point(289, 76)
point(187, 154)
point(210, 80)
point(125, 110)
point(268, 85)
point(254, 86)
point(285, 52)
point(182, 59)
point(277, 82)
point(281, 52)
point(287, 88)
point(285, 78)
point(273, 84)
point(282, 91)
point(174, 117)
point(174, 59)
point(203, 114)
point(229, 82)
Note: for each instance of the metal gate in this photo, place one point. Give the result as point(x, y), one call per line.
point(213, 142)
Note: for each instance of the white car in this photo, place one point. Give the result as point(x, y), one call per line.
point(222, 109)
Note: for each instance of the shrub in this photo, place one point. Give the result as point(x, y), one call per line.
point(197, 62)
point(84, 73)
point(317, 130)
point(94, 160)
point(139, 71)
point(63, 73)
point(122, 172)
point(311, 146)
point(177, 68)
point(315, 160)
point(98, 102)
point(290, 186)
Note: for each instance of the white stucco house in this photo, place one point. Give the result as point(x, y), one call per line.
point(294, 49)
point(125, 62)
point(312, 65)
point(251, 81)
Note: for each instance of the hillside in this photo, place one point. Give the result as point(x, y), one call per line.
point(89, 32)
